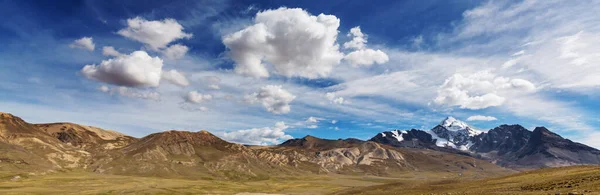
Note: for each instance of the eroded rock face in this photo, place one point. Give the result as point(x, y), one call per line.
point(86, 137)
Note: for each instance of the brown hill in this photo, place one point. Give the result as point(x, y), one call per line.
point(181, 154)
point(314, 143)
point(40, 150)
point(86, 136)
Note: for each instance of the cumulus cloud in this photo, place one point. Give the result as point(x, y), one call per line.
point(110, 51)
point(362, 56)
point(481, 118)
point(358, 39)
point(176, 78)
point(367, 57)
point(312, 126)
point(480, 90)
point(259, 136)
point(84, 43)
point(156, 34)
point(131, 93)
point(194, 97)
point(334, 122)
point(273, 98)
point(137, 69)
point(290, 41)
point(176, 51)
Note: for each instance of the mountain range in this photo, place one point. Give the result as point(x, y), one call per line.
point(511, 146)
point(449, 148)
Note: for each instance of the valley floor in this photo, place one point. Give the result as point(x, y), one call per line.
point(91, 183)
point(578, 180)
point(565, 180)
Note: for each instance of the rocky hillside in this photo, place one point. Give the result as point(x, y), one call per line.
point(26, 144)
point(86, 137)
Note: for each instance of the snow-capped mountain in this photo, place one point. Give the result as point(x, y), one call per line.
point(510, 146)
point(450, 133)
point(454, 133)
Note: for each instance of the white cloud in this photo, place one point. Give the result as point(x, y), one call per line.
point(480, 90)
point(155, 34)
point(569, 62)
point(191, 108)
point(110, 51)
point(339, 100)
point(83, 43)
point(213, 86)
point(275, 99)
point(333, 99)
point(518, 53)
point(176, 51)
point(481, 118)
point(312, 119)
point(312, 126)
point(137, 69)
point(176, 78)
point(361, 56)
point(194, 97)
point(291, 41)
point(559, 47)
point(367, 57)
point(334, 122)
point(131, 93)
point(103, 88)
point(358, 39)
point(259, 136)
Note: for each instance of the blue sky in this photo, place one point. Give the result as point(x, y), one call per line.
point(260, 72)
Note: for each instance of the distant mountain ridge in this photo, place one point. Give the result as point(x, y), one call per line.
point(510, 146)
point(451, 147)
point(41, 148)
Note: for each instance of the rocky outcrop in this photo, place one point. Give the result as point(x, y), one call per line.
point(411, 138)
point(86, 137)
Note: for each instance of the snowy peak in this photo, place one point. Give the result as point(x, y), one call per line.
point(454, 133)
point(453, 124)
